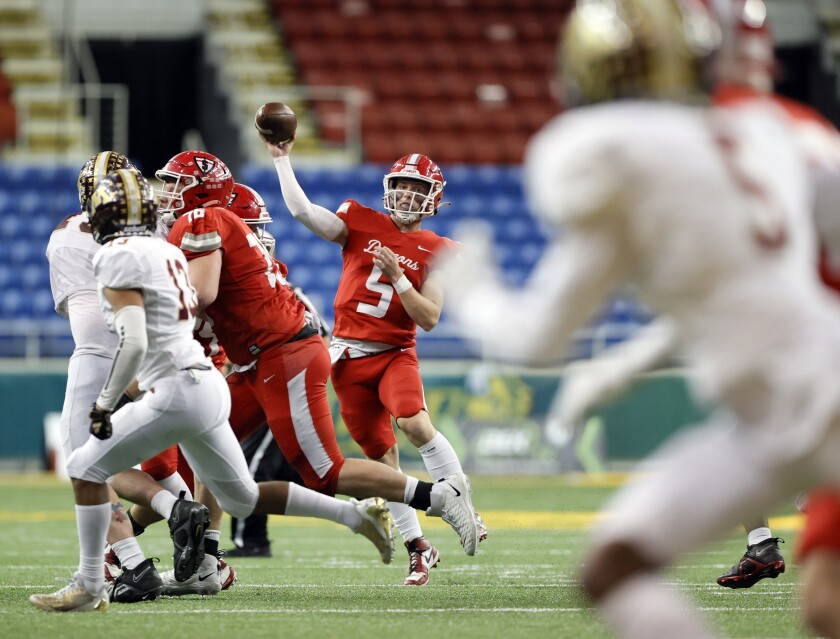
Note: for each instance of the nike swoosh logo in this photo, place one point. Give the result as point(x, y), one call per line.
point(266, 379)
point(207, 576)
point(137, 578)
point(457, 492)
point(424, 249)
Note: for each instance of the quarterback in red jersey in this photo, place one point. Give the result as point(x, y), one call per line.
point(386, 290)
point(256, 316)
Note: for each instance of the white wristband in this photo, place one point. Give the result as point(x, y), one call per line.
point(402, 285)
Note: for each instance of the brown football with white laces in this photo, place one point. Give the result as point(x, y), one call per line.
point(275, 122)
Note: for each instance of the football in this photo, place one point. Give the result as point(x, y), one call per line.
point(275, 122)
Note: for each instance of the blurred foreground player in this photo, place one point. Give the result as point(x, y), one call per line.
point(707, 213)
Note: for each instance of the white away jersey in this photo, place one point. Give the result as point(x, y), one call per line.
point(706, 211)
point(70, 253)
point(159, 271)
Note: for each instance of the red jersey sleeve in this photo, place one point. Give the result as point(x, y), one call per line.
point(254, 309)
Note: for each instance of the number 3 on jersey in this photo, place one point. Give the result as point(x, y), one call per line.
point(187, 297)
point(385, 290)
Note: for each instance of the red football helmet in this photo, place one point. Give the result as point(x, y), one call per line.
point(418, 168)
point(198, 179)
point(247, 204)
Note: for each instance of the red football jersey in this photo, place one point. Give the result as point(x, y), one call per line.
point(366, 305)
point(254, 309)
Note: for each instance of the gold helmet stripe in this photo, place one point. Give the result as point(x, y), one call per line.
point(133, 196)
point(100, 166)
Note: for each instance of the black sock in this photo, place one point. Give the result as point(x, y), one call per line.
point(136, 528)
point(422, 496)
point(211, 547)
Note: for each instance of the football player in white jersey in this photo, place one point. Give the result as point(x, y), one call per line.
point(744, 73)
point(706, 213)
point(147, 300)
point(70, 254)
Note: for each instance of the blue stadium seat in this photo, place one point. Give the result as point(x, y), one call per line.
point(8, 277)
point(25, 251)
point(42, 304)
point(35, 277)
point(13, 304)
point(40, 227)
point(56, 346)
point(65, 203)
point(288, 252)
point(12, 227)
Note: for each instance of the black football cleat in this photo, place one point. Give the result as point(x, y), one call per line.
point(761, 560)
point(187, 524)
point(250, 550)
point(142, 583)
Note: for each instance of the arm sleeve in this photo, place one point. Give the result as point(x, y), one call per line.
point(322, 222)
point(130, 325)
point(531, 325)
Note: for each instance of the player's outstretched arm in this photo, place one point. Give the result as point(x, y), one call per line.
point(323, 222)
point(597, 381)
point(531, 325)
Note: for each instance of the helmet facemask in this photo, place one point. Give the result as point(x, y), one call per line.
point(408, 205)
point(172, 202)
point(267, 240)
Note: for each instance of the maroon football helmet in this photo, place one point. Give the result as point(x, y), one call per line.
point(199, 179)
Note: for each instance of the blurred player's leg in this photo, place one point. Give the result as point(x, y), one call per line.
point(629, 550)
point(819, 554)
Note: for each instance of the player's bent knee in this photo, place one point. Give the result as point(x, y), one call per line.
point(78, 468)
point(417, 426)
point(609, 566)
point(239, 503)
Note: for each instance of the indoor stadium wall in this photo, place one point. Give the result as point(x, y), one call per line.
point(495, 91)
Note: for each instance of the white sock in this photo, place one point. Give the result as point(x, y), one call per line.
point(163, 503)
point(175, 484)
point(303, 502)
point(92, 525)
point(439, 457)
point(129, 552)
point(214, 535)
point(410, 487)
point(757, 535)
point(643, 608)
point(405, 519)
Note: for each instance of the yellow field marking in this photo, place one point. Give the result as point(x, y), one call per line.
point(495, 520)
